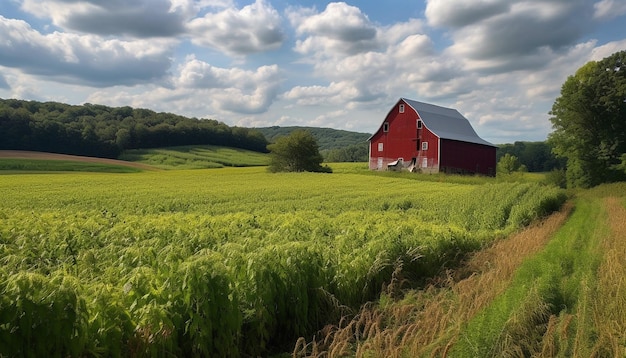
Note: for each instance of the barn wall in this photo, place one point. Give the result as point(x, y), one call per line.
point(463, 157)
point(427, 160)
point(401, 141)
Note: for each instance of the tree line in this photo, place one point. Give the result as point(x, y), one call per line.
point(534, 156)
point(102, 131)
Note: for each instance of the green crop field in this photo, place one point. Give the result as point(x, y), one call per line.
point(196, 157)
point(21, 165)
point(225, 262)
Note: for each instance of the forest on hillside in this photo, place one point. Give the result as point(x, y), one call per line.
point(327, 138)
point(102, 131)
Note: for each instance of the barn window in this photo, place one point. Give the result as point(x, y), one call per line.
point(386, 127)
point(401, 108)
point(380, 147)
point(424, 145)
point(419, 124)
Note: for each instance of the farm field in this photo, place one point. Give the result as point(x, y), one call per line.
point(555, 289)
point(19, 161)
point(226, 262)
point(196, 157)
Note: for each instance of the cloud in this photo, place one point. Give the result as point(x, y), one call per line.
point(233, 89)
point(516, 35)
point(609, 9)
point(3, 83)
point(514, 106)
point(137, 18)
point(340, 29)
point(200, 89)
point(254, 28)
point(607, 50)
point(84, 59)
point(460, 13)
point(335, 93)
point(362, 61)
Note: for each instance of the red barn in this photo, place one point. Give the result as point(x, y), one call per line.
point(431, 139)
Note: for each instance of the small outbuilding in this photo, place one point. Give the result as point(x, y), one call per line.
point(424, 137)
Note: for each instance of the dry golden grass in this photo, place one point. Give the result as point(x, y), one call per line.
point(609, 305)
point(598, 328)
point(427, 322)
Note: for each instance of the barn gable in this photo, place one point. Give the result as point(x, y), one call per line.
point(429, 138)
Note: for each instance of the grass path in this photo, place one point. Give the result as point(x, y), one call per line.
point(556, 289)
point(606, 309)
point(428, 322)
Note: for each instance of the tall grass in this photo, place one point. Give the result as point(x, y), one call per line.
point(602, 318)
point(159, 258)
point(546, 284)
point(427, 322)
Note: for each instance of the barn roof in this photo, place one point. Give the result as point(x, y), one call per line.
point(446, 123)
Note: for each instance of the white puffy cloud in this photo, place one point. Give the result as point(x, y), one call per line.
point(85, 59)
point(514, 106)
point(511, 35)
point(609, 9)
point(254, 28)
point(200, 89)
point(137, 18)
point(334, 93)
point(459, 13)
point(360, 59)
point(607, 50)
point(339, 29)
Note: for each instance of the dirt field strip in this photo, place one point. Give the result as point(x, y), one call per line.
point(429, 322)
point(23, 154)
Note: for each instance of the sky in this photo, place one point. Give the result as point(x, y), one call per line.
point(342, 65)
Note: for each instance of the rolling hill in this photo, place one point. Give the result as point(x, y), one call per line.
point(327, 138)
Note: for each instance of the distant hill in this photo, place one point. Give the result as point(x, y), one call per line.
point(102, 131)
point(327, 138)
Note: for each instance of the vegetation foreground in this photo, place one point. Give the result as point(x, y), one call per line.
point(237, 261)
point(556, 289)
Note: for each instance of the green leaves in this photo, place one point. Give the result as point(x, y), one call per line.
point(588, 121)
point(297, 152)
point(42, 316)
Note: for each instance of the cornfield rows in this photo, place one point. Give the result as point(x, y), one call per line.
point(226, 262)
point(555, 289)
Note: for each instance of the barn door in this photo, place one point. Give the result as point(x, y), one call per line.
point(379, 164)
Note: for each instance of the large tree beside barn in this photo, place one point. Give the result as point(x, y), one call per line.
point(589, 121)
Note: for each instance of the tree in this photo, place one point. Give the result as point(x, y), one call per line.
point(536, 156)
point(509, 164)
point(297, 152)
point(352, 153)
point(588, 121)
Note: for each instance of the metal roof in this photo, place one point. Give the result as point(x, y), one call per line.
point(446, 123)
